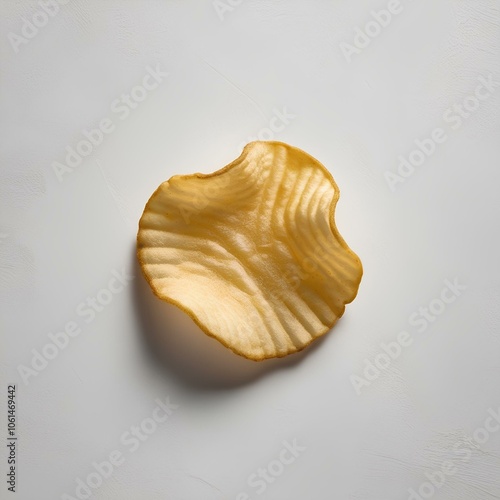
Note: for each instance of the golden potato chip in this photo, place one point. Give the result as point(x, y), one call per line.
point(251, 252)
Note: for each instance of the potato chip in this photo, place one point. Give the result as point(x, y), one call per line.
point(251, 252)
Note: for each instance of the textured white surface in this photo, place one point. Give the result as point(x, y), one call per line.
point(61, 241)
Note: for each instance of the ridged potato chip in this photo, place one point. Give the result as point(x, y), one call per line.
point(251, 252)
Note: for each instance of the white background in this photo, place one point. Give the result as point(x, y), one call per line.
point(61, 240)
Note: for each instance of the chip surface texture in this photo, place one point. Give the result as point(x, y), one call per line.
point(251, 252)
